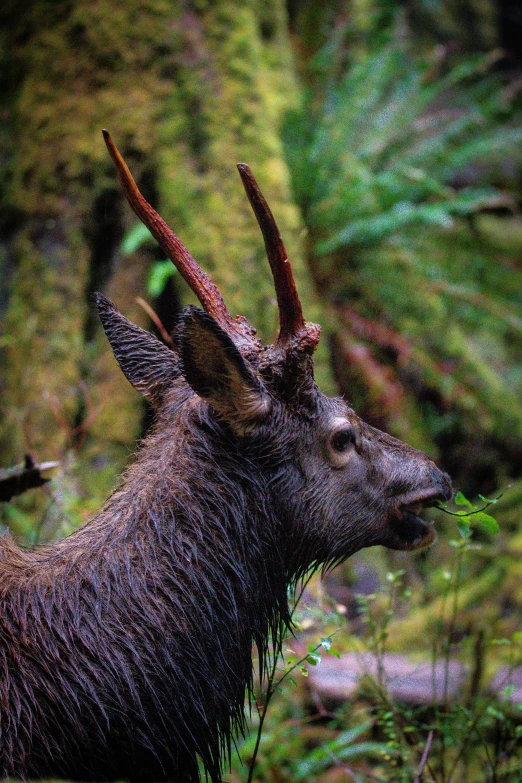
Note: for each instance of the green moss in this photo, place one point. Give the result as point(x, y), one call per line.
point(423, 623)
point(187, 92)
point(43, 346)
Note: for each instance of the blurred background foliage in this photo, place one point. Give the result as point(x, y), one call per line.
point(387, 138)
point(405, 165)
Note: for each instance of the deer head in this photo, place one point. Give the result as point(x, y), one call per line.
point(335, 483)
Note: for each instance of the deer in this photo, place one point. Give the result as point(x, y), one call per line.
point(126, 647)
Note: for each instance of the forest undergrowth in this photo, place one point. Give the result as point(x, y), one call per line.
point(468, 733)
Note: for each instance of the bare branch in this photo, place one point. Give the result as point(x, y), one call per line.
point(424, 757)
point(23, 477)
point(154, 317)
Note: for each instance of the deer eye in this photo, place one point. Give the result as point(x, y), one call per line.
point(342, 440)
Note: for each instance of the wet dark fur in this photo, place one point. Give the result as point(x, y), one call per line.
point(117, 624)
point(125, 649)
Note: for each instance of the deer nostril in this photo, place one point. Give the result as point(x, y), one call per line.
point(446, 486)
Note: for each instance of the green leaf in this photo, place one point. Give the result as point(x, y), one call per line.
point(158, 276)
point(464, 529)
point(486, 522)
point(488, 500)
point(136, 236)
point(314, 658)
point(495, 713)
point(344, 748)
point(326, 644)
point(461, 500)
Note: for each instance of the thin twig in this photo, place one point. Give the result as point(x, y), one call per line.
point(156, 320)
point(271, 688)
point(23, 477)
point(470, 513)
point(472, 728)
point(424, 757)
point(338, 763)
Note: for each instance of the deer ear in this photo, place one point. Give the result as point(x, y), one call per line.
point(148, 364)
point(217, 372)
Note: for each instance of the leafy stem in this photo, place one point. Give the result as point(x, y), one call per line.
point(273, 684)
point(475, 514)
point(475, 509)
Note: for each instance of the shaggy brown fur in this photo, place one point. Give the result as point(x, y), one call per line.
point(125, 649)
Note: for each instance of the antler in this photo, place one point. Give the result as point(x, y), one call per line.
point(290, 311)
point(292, 323)
point(205, 290)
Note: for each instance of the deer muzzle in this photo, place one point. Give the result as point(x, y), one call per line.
point(406, 529)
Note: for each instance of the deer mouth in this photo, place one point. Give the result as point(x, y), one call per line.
point(408, 530)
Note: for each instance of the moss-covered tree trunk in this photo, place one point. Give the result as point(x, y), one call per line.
point(187, 89)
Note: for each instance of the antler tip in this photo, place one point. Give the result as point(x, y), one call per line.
point(290, 311)
point(246, 175)
point(109, 142)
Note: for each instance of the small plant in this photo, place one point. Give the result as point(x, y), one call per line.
point(473, 737)
point(282, 665)
point(475, 516)
point(279, 744)
point(450, 740)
